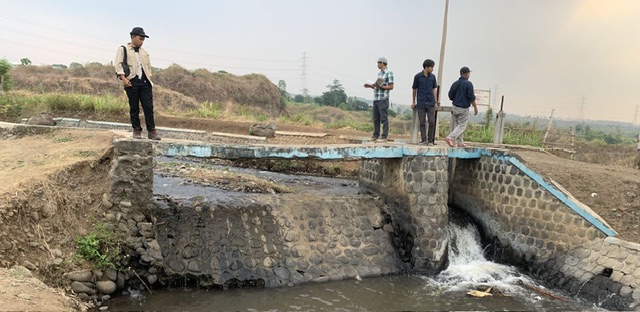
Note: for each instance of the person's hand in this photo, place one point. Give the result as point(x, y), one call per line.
point(126, 82)
point(413, 105)
point(368, 85)
point(475, 110)
point(437, 105)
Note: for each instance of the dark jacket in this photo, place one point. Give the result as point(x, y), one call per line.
point(461, 93)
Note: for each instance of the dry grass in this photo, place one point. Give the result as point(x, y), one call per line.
point(175, 88)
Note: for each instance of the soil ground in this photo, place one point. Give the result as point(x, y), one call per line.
point(52, 186)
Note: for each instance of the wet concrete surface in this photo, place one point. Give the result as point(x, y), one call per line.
point(181, 188)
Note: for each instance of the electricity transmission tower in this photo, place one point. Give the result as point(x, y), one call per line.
point(581, 114)
point(303, 76)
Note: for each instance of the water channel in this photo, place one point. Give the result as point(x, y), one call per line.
point(468, 270)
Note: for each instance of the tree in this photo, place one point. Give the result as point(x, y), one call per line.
point(75, 65)
point(299, 98)
point(356, 105)
point(282, 86)
point(5, 79)
point(488, 117)
point(335, 96)
point(25, 61)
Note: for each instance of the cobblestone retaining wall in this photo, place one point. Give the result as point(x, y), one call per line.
point(274, 240)
point(527, 226)
point(415, 189)
point(254, 240)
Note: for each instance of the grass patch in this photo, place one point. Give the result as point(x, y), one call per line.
point(15, 105)
point(101, 247)
point(208, 110)
point(63, 139)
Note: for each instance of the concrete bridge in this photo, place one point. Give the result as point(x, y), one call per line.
point(529, 220)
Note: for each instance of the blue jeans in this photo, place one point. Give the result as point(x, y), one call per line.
point(380, 115)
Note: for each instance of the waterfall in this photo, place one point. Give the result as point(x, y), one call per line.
point(468, 268)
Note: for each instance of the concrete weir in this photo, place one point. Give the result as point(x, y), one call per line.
point(528, 220)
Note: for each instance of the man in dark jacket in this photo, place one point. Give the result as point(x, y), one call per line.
point(462, 96)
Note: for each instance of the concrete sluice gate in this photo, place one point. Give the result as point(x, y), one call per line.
point(276, 240)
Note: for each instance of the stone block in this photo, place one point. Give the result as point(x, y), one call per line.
point(132, 147)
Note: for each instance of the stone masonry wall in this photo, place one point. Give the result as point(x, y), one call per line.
point(254, 240)
point(415, 189)
point(527, 226)
point(274, 240)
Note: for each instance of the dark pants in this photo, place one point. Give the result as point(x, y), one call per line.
point(380, 115)
point(141, 92)
point(427, 115)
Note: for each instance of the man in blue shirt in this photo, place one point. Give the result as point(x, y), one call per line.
point(424, 96)
point(461, 93)
point(381, 87)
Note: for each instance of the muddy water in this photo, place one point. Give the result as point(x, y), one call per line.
point(390, 293)
point(467, 271)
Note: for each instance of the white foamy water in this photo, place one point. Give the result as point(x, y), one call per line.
point(468, 268)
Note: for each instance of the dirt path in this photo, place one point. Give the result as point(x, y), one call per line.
point(610, 191)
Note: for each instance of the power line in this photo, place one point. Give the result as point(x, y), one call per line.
point(114, 41)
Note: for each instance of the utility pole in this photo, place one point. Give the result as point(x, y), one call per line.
point(443, 44)
point(581, 114)
point(495, 95)
point(546, 133)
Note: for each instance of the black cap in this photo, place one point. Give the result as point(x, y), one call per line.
point(465, 70)
point(138, 31)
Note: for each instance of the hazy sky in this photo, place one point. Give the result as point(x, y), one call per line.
point(579, 57)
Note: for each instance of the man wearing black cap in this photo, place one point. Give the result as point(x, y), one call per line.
point(462, 96)
point(133, 67)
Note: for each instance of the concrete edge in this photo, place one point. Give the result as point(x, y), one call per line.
point(622, 243)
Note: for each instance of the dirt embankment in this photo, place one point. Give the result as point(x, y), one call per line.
point(53, 183)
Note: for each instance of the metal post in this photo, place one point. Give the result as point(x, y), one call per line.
point(498, 131)
point(546, 133)
point(415, 123)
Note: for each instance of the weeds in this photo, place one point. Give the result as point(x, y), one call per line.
point(100, 247)
point(209, 110)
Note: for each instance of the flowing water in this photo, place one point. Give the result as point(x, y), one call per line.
point(468, 270)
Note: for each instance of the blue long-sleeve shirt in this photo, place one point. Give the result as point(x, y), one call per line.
point(461, 93)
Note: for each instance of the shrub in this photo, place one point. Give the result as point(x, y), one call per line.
point(100, 247)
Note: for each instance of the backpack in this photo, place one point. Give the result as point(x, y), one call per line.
point(125, 64)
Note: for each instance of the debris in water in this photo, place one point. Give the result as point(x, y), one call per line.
point(480, 294)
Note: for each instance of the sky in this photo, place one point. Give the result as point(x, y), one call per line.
point(577, 58)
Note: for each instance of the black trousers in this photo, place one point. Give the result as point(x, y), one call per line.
point(141, 92)
point(427, 115)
